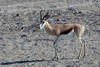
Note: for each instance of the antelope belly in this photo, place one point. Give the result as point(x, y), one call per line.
point(68, 36)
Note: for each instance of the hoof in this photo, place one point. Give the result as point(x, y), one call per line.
point(79, 57)
point(55, 58)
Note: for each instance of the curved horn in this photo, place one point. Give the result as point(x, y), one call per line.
point(41, 18)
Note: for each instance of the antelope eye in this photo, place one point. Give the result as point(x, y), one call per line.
point(42, 22)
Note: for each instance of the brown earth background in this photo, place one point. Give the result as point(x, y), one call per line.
point(23, 44)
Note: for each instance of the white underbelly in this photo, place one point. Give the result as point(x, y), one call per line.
point(68, 36)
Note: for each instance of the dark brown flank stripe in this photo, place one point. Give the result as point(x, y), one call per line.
point(66, 31)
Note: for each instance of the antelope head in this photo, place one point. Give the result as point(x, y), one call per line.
point(43, 19)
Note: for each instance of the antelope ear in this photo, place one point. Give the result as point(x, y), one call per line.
point(45, 17)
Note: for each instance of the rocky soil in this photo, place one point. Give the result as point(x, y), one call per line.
point(23, 44)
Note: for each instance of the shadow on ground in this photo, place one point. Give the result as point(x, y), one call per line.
point(30, 61)
point(27, 61)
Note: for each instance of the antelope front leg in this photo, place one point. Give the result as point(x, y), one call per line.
point(55, 47)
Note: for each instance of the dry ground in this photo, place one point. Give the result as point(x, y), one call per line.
point(23, 44)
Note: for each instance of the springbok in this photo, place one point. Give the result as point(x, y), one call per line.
point(63, 31)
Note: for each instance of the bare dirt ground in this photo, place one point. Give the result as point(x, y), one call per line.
point(23, 44)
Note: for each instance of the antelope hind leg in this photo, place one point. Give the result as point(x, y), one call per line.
point(82, 49)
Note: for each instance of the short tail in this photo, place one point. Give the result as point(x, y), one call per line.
point(83, 29)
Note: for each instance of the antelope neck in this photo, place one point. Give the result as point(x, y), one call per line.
point(48, 28)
